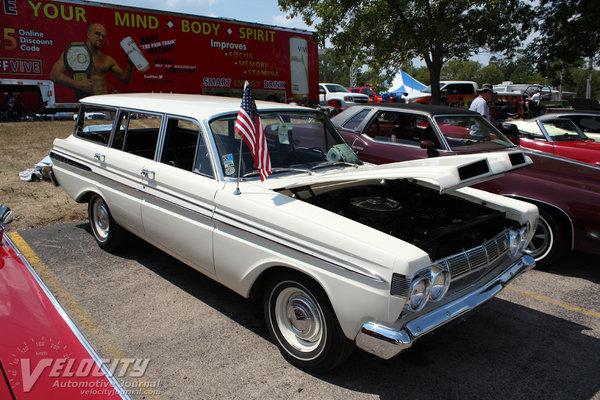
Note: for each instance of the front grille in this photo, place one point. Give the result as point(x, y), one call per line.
point(466, 267)
point(475, 258)
point(360, 100)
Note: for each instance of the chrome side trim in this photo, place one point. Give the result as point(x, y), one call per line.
point(236, 223)
point(387, 342)
point(321, 256)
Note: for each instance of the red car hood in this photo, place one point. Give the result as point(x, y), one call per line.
point(42, 353)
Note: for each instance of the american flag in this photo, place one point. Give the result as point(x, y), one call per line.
point(249, 127)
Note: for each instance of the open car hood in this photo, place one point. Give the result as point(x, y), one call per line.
point(442, 173)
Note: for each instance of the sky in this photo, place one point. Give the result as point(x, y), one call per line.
point(260, 11)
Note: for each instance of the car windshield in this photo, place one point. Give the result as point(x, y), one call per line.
point(297, 142)
point(368, 92)
point(562, 130)
point(467, 133)
point(337, 88)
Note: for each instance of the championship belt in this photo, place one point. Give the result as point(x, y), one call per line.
point(78, 60)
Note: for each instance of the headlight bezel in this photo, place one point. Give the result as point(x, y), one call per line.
point(438, 271)
point(417, 280)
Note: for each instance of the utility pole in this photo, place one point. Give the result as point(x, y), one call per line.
point(588, 90)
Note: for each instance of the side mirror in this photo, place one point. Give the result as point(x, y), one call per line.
point(430, 147)
point(509, 129)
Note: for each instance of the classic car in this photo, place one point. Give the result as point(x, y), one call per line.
point(42, 353)
point(555, 135)
point(341, 252)
point(567, 192)
point(586, 120)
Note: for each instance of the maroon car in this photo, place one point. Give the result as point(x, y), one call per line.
point(567, 192)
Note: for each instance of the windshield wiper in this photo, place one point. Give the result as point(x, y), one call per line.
point(326, 164)
point(277, 171)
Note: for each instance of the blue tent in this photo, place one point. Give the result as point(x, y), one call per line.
point(407, 84)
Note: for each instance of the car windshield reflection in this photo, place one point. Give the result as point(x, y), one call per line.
point(470, 133)
point(562, 130)
point(297, 142)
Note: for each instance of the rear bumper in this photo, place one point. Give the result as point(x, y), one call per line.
point(387, 342)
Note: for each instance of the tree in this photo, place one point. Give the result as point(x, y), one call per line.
point(569, 32)
point(386, 33)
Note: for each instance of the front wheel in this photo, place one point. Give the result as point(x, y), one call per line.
point(303, 325)
point(549, 241)
point(108, 234)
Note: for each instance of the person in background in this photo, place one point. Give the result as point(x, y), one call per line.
point(480, 103)
point(534, 100)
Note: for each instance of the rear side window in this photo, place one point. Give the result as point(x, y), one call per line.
point(185, 148)
point(95, 124)
point(354, 122)
point(137, 133)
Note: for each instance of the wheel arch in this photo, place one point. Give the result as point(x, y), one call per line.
point(563, 218)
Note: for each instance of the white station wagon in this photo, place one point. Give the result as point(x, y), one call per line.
point(343, 254)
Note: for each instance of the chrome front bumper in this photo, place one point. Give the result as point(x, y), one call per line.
point(387, 342)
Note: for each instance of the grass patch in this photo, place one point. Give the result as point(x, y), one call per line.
point(34, 204)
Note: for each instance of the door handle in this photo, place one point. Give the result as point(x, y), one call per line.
point(150, 175)
point(358, 148)
point(99, 157)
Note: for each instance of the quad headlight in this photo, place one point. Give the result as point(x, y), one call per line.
point(430, 284)
point(419, 293)
point(440, 282)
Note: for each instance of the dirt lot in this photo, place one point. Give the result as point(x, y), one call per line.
point(34, 204)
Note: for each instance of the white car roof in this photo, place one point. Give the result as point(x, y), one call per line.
point(191, 105)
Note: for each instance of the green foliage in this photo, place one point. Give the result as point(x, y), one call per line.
point(569, 31)
point(384, 34)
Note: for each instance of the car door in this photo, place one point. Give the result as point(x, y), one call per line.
point(390, 136)
point(117, 175)
point(533, 136)
point(178, 195)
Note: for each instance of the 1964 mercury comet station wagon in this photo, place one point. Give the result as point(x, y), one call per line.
point(342, 253)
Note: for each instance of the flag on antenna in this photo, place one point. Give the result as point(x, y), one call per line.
point(249, 127)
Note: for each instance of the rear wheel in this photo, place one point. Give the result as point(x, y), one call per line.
point(303, 325)
point(108, 234)
point(549, 240)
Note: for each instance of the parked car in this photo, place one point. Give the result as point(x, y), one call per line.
point(342, 253)
point(586, 120)
point(368, 90)
point(555, 135)
point(337, 96)
point(567, 192)
point(42, 353)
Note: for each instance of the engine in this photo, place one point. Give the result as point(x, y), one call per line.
point(441, 225)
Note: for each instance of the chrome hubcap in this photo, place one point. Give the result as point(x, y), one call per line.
point(100, 219)
point(542, 241)
point(299, 319)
